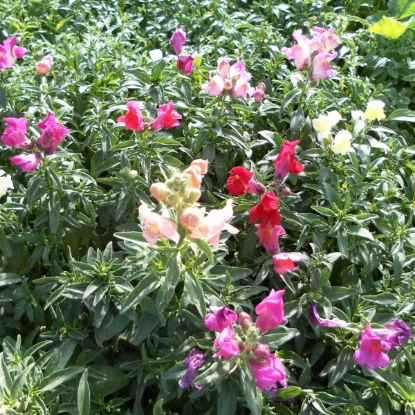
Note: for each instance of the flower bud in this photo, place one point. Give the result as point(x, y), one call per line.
point(261, 351)
point(194, 196)
point(45, 65)
point(261, 87)
point(255, 188)
point(194, 174)
point(172, 199)
point(159, 190)
point(227, 85)
point(284, 190)
point(244, 320)
point(133, 174)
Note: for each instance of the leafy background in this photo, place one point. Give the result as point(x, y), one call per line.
point(90, 322)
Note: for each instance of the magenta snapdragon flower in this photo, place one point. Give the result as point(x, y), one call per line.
point(371, 348)
point(324, 322)
point(268, 235)
point(269, 372)
point(219, 318)
point(15, 133)
point(52, 134)
point(185, 63)
point(228, 346)
point(9, 52)
point(284, 262)
point(27, 162)
point(177, 40)
point(270, 311)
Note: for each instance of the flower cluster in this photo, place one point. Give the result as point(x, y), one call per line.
point(266, 211)
point(372, 342)
point(243, 340)
point(133, 120)
point(342, 142)
point(313, 54)
point(15, 136)
point(9, 52)
point(180, 194)
point(184, 62)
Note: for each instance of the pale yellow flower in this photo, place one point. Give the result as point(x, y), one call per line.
point(324, 123)
point(342, 142)
point(374, 110)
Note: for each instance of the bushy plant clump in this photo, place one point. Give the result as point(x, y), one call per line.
point(207, 207)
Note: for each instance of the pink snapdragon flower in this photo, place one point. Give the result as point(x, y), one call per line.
point(321, 66)
point(15, 133)
point(268, 235)
point(210, 227)
point(228, 346)
point(270, 311)
point(9, 52)
point(219, 318)
point(193, 361)
point(258, 93)
point(370, 351)
point(27, 162)
point(284, 262)
point(233, 80)
point(324, 40)
point(301, 52)
point(133, 119)
point(52, 134)
point(155, 226)
point(185, 63)
point(168, 117)
point(177, 40)
point(267, 373)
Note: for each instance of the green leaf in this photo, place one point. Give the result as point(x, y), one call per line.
point(148, 322)
point(357, 230)
point(205, 248)
point(158, 408)
point(344, 363)
point(227, 398)
point(323, 210)
point(105, 379)
point(7, 278)
point(57, 378)
point(63, 22)
point(195, 291)
point(403, 8)
point(218, 369)
point(402, 115)
point(287, 393)
point(382, 299)
point(252, 393)
point(19, 382)
point(389, 27)
point(148, 284)
point(84, 398)
point(61, 357)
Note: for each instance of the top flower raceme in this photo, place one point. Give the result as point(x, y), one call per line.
point(232, 80)
point(15, 136)
point(314, 52)
point(133, 120)
point(9, 52)
point(177, 40)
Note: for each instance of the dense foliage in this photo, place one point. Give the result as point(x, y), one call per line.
point(105, 308)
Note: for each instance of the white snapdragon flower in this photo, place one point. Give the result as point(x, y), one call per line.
point(342, 142)
point(5, 183)
point(374, 110)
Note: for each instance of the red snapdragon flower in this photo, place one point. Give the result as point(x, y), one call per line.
point(133, 119)
point(238, 181)
point(285, 162)
point(266, 210)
